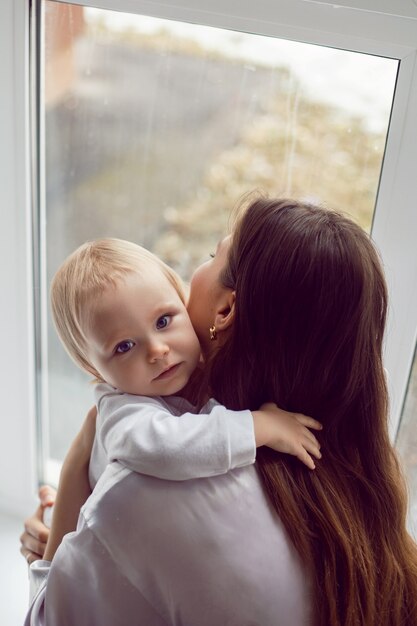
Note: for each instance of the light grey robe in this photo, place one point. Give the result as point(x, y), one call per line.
point(151, 552)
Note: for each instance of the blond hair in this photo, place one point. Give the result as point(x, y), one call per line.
point(84, 275)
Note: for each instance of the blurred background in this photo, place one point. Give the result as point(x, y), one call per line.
point(154, 129)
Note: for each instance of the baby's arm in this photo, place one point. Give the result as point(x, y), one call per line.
point(162, 439)
point(287, 432)
point(74, 486)
point(143, 434)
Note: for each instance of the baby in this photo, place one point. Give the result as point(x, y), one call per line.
point(120, 313)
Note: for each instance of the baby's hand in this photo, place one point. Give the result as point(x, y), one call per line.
point(287, 432)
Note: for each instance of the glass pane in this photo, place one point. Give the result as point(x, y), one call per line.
point(407, 444)
point(155, 128)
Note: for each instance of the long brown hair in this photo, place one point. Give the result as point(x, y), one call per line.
point(311, 305)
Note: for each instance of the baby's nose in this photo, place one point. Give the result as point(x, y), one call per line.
point(157, 350)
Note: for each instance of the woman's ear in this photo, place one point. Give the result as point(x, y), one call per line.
point(225, 313)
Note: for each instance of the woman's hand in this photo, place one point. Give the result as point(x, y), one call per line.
point(80, 450)
point(287, 432)
point(36, 534)
point(74, 485)
point(33, 539)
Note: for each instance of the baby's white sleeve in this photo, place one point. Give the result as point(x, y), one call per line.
point(146, 437)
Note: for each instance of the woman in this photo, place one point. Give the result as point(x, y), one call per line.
point(298, 303)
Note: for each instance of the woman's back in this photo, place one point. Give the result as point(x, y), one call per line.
point(309, 313)
point(209, 552)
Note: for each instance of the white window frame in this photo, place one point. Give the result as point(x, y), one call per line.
point(373, 27)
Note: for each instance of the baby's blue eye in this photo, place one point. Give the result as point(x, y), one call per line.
point(124, 346)
point(163, 322)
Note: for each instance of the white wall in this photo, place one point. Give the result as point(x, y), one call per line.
point(17, 475)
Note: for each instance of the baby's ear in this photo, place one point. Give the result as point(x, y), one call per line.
point(225, 314)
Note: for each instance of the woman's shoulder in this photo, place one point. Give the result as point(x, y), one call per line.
point(198, 538)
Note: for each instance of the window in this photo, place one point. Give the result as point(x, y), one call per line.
point(407, 444)
point(153, 129)
point(350, 28)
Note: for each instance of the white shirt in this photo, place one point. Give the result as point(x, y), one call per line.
point(151, 552)
point(166, 438)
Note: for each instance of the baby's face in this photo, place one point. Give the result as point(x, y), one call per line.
point(140, 337)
